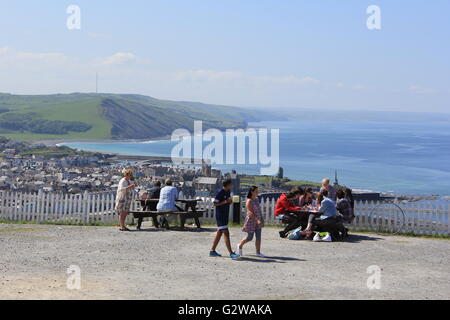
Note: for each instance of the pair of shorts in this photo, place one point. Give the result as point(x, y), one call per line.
point(257, 232)
point(222, 220)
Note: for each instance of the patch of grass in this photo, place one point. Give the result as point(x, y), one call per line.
point(17, 229)
point(62, 223)
point(50, 152)
point(403, 234)
point(250, 180)
point(294, 183)
point(86, 111)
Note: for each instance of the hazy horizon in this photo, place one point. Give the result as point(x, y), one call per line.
point(286, 110)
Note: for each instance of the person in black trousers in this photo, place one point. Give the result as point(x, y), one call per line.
point(286, 209)
point(151, 205)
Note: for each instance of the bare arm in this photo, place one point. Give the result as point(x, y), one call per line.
point(122, 186)
point(250, 212)
point(221, 203)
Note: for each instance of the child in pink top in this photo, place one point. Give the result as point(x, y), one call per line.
point(253, 222)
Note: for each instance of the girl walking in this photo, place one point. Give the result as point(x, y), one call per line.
point(253, 222)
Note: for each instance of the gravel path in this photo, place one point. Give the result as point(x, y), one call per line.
point(154, 264)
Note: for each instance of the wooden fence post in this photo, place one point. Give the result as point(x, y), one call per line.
point(5, 211)
point(39, 203)
point(86, 205)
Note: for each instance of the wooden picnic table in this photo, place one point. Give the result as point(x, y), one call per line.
point(333, 228)
point(302, 215)
point(307, 211)
point(190, 212)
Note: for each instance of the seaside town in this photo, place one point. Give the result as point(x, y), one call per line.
point(31, 168)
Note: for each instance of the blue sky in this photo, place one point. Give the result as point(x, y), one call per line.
point(259, 53)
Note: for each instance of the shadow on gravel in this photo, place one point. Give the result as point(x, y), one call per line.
point(270, 259)
point(286, 258)
point(148, 230)
point(178, 229)
point(259, 260)
point(175, 229)
point(357, 238)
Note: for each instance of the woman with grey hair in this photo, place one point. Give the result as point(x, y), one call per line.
point(124, 197)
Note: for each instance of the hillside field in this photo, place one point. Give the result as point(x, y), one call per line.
point(111, 116)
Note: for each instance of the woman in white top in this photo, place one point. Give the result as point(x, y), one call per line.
point(124, 197)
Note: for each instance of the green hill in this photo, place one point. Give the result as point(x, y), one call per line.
point(111, 116)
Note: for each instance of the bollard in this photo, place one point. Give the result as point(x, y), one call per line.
point(237, 209)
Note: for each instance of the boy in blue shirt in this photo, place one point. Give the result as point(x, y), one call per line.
point(222, 203)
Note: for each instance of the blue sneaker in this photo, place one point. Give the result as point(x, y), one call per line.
point(214, 254)
point(234, 256)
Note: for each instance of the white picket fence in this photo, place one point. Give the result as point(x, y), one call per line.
point(422, 218)
point(42, 207)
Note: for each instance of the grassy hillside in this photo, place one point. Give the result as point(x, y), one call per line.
point(110, 116)
point(255, 180)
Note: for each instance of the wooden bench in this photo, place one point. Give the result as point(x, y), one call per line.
point(190, 212)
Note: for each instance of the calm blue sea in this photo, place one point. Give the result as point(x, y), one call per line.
point(408, 158)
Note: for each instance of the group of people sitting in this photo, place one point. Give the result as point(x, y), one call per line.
point(167, 196)
point(326, 211)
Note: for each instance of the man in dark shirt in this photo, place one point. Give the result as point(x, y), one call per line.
point(155, 191)
point(147, 205)
point(222, 203)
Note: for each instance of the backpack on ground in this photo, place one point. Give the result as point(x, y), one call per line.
point(295, 234)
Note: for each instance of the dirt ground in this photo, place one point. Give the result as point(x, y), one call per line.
point(155, 264)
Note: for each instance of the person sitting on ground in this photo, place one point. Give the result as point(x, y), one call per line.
point(331, 191)
point(326, 217)
point(285, 211)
